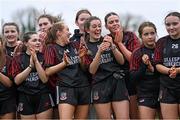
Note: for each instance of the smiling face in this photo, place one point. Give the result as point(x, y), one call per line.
point(113, 24)
point(173, 26)
point(34, 43)
point(10, 34)
point(95, 29)
point(64, 35)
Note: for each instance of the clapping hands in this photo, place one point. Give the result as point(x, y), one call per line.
point(146, 61)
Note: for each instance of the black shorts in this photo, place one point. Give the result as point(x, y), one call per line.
point(149, 102)
point(73, 96)
point(130, 87)
point(8, 106)
point(169, 96)
point(34, 104)
point(53, 94)
point(109, 90)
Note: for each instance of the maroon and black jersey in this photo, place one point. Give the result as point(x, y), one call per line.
point(108, 64)
point(167, 53)
point(10, 50)
point(72, 75)
point(131, 41)
point(76, 38)
point(5, 92)
point(50, 60)
point(147, 82)
point(32, 85)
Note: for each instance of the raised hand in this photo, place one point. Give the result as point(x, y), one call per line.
point(18, 48)
point(146, 60)
point(104, 46)
point(118, 36)
point(66, 59)
point(31, 62)
point(33, 54)
point(42, 36)
point(82, 50)
point(108, 39)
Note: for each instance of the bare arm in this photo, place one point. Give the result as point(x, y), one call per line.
point(41, 72)
point(22, 76)
point(5, 80)
point(56, 68)
point(125, 51)
point(162, 69)
point(118, 55)
point(95, 63)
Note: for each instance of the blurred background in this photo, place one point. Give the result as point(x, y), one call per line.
point(132, 12)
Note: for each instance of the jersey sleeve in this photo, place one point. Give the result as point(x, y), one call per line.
point(158, 53)
point(50, 56)
point(133, 42)
point(15, 66)
point(137, 67)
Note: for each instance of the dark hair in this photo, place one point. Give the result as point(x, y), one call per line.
point(108, 15)
point(177, 14)
point(88, 21)
point(51, 33)
point(51, 18)
point(28, 35)
point(87, 26)
point(145, 24)
point(80, 12)
point(10, 24)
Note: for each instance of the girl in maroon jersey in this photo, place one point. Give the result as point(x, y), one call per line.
point(143, 72)
point(7, 94)
point(167, 59)
point(126, 42)
point(45, 21)
point(63, 63)
point(11, 33)
point(34, 98)
point(81, 16)
point(108, 86)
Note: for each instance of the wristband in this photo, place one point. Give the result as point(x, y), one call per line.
point(113, 47)
point(30, 66)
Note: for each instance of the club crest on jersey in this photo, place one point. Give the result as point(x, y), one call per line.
point(96, 95)
point(20, 107)
point(63, 96)
point(175, 46)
